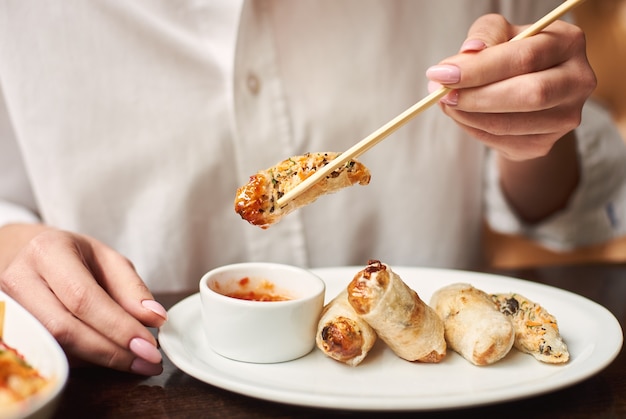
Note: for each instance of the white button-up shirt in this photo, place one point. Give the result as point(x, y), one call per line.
point(136, 121)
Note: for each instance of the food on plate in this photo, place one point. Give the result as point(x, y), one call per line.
point(400, 318)
point(474, 326)
point(536, 330)
point(256, 201)
point(18, 379)
point(342, 334)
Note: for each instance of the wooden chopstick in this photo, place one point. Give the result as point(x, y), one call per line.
point(397, 122)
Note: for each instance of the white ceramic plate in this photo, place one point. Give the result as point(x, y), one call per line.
point(385, 382)
point(25, 334)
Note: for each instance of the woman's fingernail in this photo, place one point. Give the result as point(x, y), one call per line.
point(145, 350)
point(444, 74)
point(451, 99)
point(155, 308)
point(143, 367)
point(473, 45)
point(433, 85)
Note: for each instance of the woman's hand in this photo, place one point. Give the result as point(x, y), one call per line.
point(523, 99)
point(517, 97)
point(87, 295)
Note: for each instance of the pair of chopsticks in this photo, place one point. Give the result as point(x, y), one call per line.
point(391, 126)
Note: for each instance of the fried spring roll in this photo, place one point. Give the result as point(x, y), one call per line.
point(342, 334)
point(400, 318)
point(256, 201)
point(536, 330)
point(474, 327)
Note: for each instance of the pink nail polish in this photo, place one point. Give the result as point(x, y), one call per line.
point(155, 308)
point(444, 74)
point(451, 99)
point(143, 367)
point(145, 350)
point(473, 45)
point(432, 86)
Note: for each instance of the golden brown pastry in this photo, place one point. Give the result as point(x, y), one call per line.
point(474, 327)
point(400, 318)
point(342, 334)
point(536, 330)
point(256, 201)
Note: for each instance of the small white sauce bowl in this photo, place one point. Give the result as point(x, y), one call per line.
point(261, 331)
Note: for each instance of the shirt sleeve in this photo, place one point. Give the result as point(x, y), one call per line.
point(596, 211)
point(17, 203)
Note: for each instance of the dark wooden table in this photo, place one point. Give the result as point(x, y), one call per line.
point(102, 393)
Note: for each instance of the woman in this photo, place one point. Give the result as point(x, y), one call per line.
point(130, 126)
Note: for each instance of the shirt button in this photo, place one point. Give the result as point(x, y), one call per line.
point(253, 83)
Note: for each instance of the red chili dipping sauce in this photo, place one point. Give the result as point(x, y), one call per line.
point(264, 291)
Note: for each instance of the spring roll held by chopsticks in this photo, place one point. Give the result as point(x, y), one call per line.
point(474, 327)
point(342, 334)
point(400, 318)
point(257, 201)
